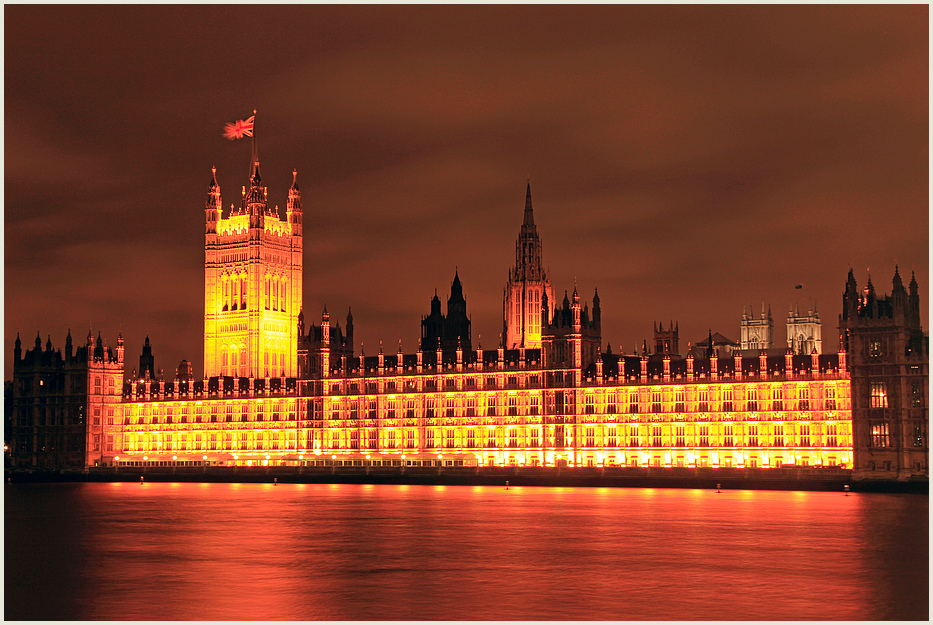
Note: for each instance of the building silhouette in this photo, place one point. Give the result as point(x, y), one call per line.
point(889, 355)
point(450, 331)
point(544, 395)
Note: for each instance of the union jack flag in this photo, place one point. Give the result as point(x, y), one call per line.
point(242, 128)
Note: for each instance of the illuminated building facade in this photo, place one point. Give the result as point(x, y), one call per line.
point(252, 283)
point(547, 395)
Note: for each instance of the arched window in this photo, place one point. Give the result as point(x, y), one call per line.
point(225, 287)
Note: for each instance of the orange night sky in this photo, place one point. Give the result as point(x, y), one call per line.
point(685, 161)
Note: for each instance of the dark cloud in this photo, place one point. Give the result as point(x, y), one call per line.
point(686, 160)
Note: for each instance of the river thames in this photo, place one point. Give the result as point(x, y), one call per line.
point(168, 551)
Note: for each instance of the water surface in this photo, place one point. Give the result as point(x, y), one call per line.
point(167, 551)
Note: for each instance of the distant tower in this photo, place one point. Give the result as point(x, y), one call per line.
point(451, 331)
point(888, 360)
point(756, 333)
point(146, 362)
point(803, 331)
point(667, 342)
point(570, 339)
point(252, 282)
point(528, 287)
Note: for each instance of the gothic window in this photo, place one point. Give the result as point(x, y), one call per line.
point(752, 399)
point(680, 433)
point(779, 435)
point(679, 400)
point(777, 398)
point(243, 294)
point(753, 435)
point(611, 439)
point(879, 397)
point(879, 435)
point(703, 400)
point(831, 435)
point(704, 436)
point(803, 398)
point(829, 398)
point(633, 402)
point(534, 405)
point(728, 395)
point(728, 439)
point(633, 436)
point(916, 395)
point(226, 293)
point(656, 436)
point(268, 292)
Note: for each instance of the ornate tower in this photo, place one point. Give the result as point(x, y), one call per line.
point(528, 288)
point(888, 357)
point(804, 331)
point(252, 282)
point(756, 333)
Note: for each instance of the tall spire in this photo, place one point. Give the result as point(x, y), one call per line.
point(529, 212)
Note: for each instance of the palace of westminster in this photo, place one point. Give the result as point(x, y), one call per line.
point(276, 391)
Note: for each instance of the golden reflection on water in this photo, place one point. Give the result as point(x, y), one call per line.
point(364, 552)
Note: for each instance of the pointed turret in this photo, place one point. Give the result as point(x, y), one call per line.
point(213, 208)
point(350, 329)
point(913, 301)
point(17, 349)
point(293, 208)
point(69, 348)
point(121, 348)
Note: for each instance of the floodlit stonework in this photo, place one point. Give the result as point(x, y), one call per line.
point(546, 395)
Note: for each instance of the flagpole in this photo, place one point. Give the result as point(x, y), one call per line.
point(255, 154)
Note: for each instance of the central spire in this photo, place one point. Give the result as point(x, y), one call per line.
point(529, 212)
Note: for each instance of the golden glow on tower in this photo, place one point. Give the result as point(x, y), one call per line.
point(528, 288)
point(252, 284)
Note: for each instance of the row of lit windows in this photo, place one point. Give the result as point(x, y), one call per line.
point(562, 436)
point(258, 440)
